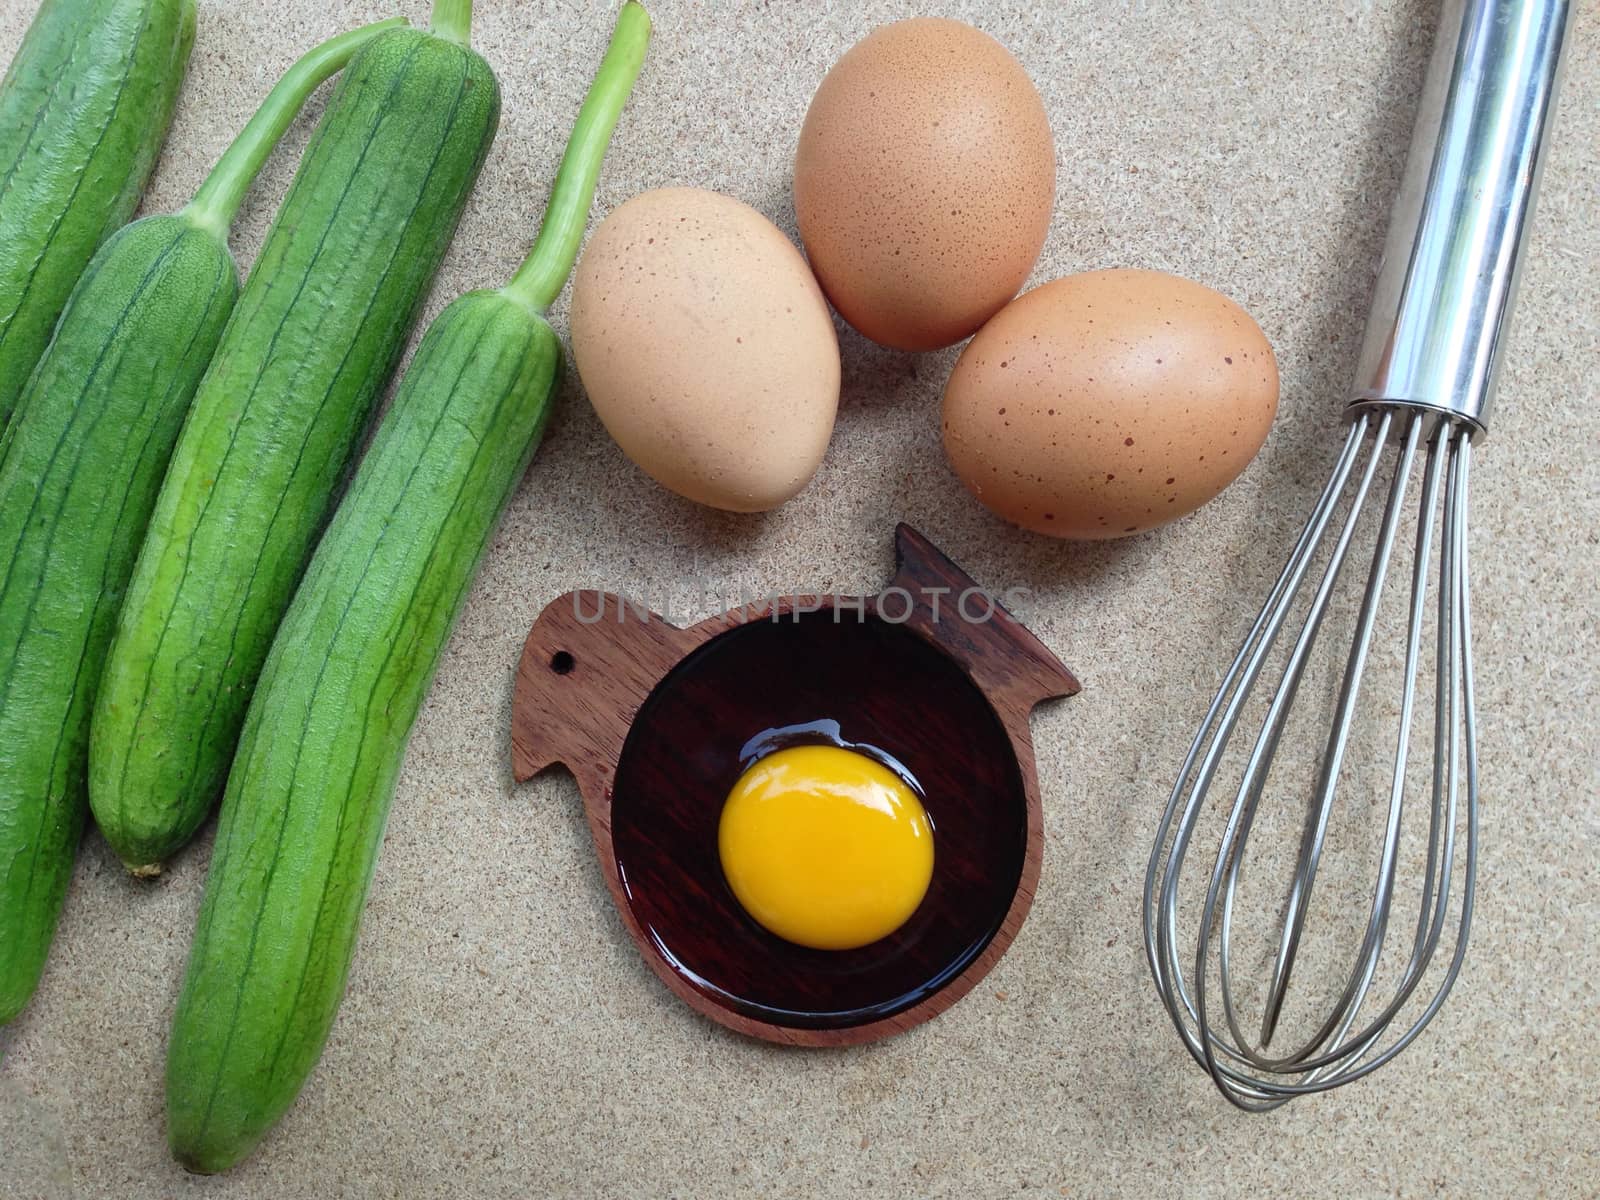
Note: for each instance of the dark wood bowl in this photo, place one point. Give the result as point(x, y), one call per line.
point(651, 720)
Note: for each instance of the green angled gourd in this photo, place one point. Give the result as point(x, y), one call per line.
point(310, 788)
point(316, 333)
point(80, 466)
point(83, 110)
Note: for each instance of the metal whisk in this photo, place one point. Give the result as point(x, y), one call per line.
point(1424, 381)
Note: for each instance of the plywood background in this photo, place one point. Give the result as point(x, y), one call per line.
point(501, 1037)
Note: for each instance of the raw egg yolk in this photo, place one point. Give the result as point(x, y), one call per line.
point(826, 847)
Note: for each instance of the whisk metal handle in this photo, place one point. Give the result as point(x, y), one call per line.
point(1444, 293)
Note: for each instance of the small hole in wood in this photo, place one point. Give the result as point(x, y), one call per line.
point(562, 662)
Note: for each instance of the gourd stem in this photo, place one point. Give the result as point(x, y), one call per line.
point(544, 272)
point(217, 202)
point(452, 19)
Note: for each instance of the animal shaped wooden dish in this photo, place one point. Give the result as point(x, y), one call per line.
point(657, 724)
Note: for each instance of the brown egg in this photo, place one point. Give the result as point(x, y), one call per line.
point(706, 348)
point(1110, 402)
point(924, 182)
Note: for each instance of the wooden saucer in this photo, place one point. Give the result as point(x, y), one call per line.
point(651, 720)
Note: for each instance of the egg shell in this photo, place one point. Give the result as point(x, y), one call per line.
point(707, 348)
point(924, 182)
point(1108, 403)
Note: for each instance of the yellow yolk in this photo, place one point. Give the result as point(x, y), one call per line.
point(826, 847)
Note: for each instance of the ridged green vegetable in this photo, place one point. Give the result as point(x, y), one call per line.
point(82, 462)
point(208, 219)
point(315, 335)
point(80, 466)
point(83, 109)
point(309, 792)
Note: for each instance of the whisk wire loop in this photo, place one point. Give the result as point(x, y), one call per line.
point(1382, 444)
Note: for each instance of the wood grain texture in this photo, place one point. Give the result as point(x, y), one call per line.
point(651, 718)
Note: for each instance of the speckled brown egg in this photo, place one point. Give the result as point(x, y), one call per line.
point(1110, 402)
point(706, 348)
point(924, 182)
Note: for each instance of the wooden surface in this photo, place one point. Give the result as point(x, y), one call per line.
point(503, 1038)
point(652, 719)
